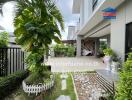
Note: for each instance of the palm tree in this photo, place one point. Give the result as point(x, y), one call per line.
point(37, 25)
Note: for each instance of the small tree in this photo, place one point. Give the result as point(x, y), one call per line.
point(36, 25)
point(4, 39)
point(124, 89)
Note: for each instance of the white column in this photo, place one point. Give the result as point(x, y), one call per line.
point(79, 38)
point(118, 30)
point(96, 46)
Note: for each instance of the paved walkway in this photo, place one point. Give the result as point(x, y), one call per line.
point(73, 64)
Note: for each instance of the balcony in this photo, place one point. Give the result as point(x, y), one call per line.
point(96, 17)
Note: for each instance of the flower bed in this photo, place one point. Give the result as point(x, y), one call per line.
point(30, 89)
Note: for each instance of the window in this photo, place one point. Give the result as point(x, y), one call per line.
point(94, 4)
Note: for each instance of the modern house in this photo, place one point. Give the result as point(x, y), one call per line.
point(1, 28)
point(94, 27)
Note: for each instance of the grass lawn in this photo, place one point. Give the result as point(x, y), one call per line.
point(52, 94)
point(56, 91)
point(1, 78)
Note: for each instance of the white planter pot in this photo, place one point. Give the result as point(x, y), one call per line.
point(107, 61)
point(115, 66)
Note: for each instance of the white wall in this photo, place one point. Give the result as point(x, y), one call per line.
point(82, 13)
point(118, 28)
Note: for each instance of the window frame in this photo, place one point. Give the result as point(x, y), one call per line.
point(94, 4)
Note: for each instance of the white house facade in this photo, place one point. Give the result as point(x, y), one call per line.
point(93, 26)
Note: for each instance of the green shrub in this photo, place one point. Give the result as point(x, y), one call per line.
point(4, 39)
point(64, 50)
point(103, 45)
point(108, 52)
point(12, 82)
point(124, 87)
point(71, 51)
point(36, 78)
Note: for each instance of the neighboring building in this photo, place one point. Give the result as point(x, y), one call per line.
point(12, 42)
point(1, 28)
point(93, 26)
point(71, 33)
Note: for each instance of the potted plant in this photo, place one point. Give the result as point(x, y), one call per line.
point(108, 58)
point(115, 63)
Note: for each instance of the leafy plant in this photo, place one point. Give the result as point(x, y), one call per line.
point(32, 78)
point(103, 45)
point(64, 50)
point(124, 89)
point(37, 25)
point(11, 82)
point(59, 50)
point(108, 52)
point(4, 39)
point(71, 51)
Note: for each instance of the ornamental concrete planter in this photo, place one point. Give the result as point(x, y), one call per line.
point(115, 66)
point(35, 89)
point(107, 61)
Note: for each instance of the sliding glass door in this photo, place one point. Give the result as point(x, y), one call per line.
point(128, 38)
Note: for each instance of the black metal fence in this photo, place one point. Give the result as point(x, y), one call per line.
point(11, 60)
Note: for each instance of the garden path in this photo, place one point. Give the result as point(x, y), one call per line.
point(63, 76)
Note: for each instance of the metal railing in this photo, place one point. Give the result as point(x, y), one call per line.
point(11, 60)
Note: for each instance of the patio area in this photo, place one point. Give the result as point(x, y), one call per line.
point(75, 64)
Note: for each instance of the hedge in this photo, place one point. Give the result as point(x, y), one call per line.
point(12, 82)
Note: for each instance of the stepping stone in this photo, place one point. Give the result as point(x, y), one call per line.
point(63, 84)
point(63, 97)
point(65, 76)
